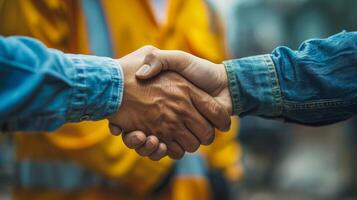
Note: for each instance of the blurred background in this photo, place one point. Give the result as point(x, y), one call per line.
point(257, 160)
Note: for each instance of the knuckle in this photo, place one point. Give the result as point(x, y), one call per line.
point(227, 124)
point(176, 154)
point(208, 136)
point(224, 122)
point(180, 155)
point(150, 56)
point(193, 148)
point(148, 48)
point(190, 143)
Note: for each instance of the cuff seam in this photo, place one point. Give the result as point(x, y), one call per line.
point(73, 113)
point(233, 87)
point(275, 86)
point(85, 101)
point(118, 88)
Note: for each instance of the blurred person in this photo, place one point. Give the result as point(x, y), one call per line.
point(85, 161)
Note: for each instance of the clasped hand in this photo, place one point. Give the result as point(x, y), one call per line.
point(174, 112)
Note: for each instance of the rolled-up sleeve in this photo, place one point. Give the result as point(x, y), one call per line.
point(42, 88)
point(254, 86)
point(314, 85)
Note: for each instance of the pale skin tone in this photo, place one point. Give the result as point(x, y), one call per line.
point(165, 115)
point(208, 76)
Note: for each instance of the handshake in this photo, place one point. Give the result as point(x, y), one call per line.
point(172, 102)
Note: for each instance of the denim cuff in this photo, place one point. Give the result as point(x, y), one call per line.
point(254, 86)
point(98, 88)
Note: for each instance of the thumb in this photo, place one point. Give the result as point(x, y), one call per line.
point(202, 73)
point(158, 61)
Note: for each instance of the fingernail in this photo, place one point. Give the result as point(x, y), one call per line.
point(143, 70)
point(115, 130)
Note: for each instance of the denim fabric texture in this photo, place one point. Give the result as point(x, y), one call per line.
point(42, 88)
point(315, 85)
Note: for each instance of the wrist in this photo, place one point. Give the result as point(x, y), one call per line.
point(122, 76)
point(225, 93)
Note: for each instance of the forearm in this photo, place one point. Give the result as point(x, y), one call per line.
point(315, 85)
point(41, 88)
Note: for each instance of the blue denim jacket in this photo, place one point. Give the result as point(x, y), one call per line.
point(42, 88)
point(314, 85)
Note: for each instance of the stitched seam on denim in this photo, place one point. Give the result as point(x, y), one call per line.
point(233, 87)
point(73, 112)
point(275, 86)
point(117, 88)
point(70, 96)
point(321, 104)
point(79, 95)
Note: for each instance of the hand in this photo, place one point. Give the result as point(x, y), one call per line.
point(208, 76)
point(169, 107)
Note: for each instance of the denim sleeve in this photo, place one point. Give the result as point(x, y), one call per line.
point(315, 85)
point(42, 88)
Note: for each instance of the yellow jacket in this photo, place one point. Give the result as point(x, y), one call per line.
point(190, 26)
